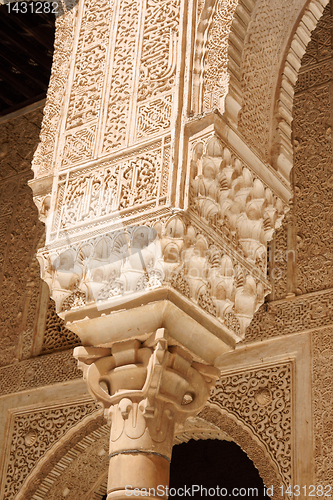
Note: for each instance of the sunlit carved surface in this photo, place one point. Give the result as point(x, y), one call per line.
point(159, 218)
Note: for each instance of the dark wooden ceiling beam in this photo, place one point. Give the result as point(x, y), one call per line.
point(19, 42)
point(20, 64)
point(5, 97)
point(42, 36)
point(48, 20)
point(9, 78)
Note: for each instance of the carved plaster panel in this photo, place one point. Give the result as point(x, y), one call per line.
point(322, 345)
point(136, 180)
point(20, 233)
point(262, 399)
point(42, 164)
point(32, 433)
point(122, 79)
point(38, 372)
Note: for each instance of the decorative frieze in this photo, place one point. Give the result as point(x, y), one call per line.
point(38, 372)
point(136, 179)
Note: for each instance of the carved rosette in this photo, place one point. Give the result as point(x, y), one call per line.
point(147, 390)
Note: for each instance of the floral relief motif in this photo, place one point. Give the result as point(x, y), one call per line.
point(215, 63)
point(131, 180)
point(34, 432)
point(159, 48)
point(262, 399)
point(90, 63)
point(121, 89)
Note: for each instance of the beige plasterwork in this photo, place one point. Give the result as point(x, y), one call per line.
point(82, 454)
point(88, 459)
point(19, 408)
point(286, 50)
point(296, 349)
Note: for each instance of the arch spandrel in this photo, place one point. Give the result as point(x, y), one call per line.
point(79, 466)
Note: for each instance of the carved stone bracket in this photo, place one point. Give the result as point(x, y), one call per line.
point(147, 390)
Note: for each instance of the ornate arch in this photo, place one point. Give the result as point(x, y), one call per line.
point(270, 58)
point(286, 90)
point(262, 113)
point(77, 439)
point(245, 438)
point(81, 456)
point(227, 427)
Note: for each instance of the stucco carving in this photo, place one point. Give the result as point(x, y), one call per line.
point(262, 399)
point(90, 194)
point(322, 345)
point(20, 232)
point(290, 316)
point(32, 434)
point(56, 335)
point(285, 95)
point(79, 469)
point(313, 152)
point(42, 164)
point(121, 88)
point(248, 441)
point(177, 254)
point(38, 372)
point(211, 57)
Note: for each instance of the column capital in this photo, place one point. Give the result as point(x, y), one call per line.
point(146, 389)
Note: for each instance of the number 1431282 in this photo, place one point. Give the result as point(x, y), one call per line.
point(33, 7)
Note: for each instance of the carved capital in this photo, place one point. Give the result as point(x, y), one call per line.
point(146, 389)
